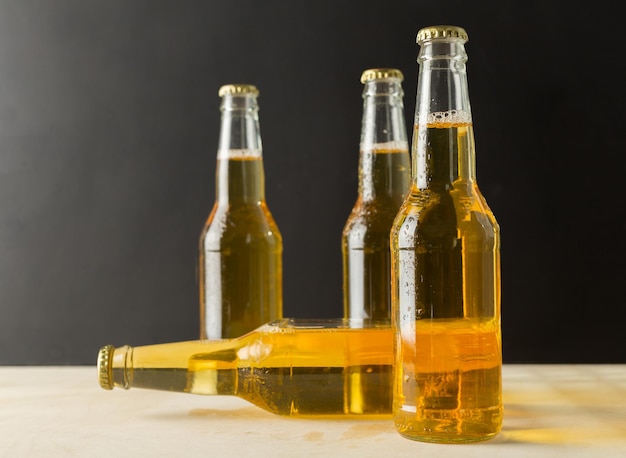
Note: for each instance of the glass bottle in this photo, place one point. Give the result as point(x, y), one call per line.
point(240, 262)
point(446, 265)
point(288, 367)
point(384, 180)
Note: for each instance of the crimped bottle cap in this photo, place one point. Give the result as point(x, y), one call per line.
point(232, 89)
point(380, 73)
point(441, 31)
point(104, 366)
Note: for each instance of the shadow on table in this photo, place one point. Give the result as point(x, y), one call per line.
point(254, 412)
point(257, 412)
point(242, 412)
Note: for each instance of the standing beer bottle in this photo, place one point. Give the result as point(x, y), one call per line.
point(240, 264)
point(446, 265)
point(384, 179)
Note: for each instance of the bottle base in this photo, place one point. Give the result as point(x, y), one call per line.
point(446, 438)
point(451, 431)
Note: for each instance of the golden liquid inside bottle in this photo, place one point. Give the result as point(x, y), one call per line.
point(446, 273)
point(450, 381)
point(385, 180)
point(240, 255)
point(285, 371)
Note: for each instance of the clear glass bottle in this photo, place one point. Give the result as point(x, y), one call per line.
point(384, 180)
point(240, 262)
point(289, 367)
point(446, 265)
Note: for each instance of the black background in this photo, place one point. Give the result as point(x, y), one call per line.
point(109, 120)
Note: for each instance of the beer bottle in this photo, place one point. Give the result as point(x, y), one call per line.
point(446, 265)
point(384, 179)
point(240, 262)
point(291, 367)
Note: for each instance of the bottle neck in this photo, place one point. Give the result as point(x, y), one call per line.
point(240, 176)
point(443, 139)
point(383, 133)
point(166, 367)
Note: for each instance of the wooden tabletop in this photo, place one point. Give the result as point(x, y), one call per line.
point(550, 411)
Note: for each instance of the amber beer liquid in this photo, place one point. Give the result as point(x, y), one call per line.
point(384, 180)
point(446, 266)
point(240, 261)
point(289, 367)
point(366, 254)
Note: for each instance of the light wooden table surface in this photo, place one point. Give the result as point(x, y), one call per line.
point(550, 411)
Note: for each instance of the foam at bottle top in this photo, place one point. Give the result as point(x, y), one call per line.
point(245, 153)
point(444, 117)
point(385, 147)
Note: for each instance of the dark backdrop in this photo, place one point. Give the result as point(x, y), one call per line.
point(109, 120)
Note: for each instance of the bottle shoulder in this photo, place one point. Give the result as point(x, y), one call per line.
point(380, 208)
point(460, 211)
point(370, 220)
point(464, 195)
point(253, 222)
point(241, 210)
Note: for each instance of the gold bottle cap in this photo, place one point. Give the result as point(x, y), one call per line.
point(441, 31)
point(104, 366)
point(232, 89)
point(380, 73)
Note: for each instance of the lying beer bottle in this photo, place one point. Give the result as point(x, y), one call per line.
point(445, 265)
point(240, 261)
point(288, 367)
point(384, 179)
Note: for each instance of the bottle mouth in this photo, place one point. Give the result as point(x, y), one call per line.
point(105, 355)
point(239, 102)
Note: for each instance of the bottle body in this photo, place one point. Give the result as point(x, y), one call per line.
point(446, 270)
point(288, 367)
point(240, 261)
point(384, 180)
point(240, 270)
